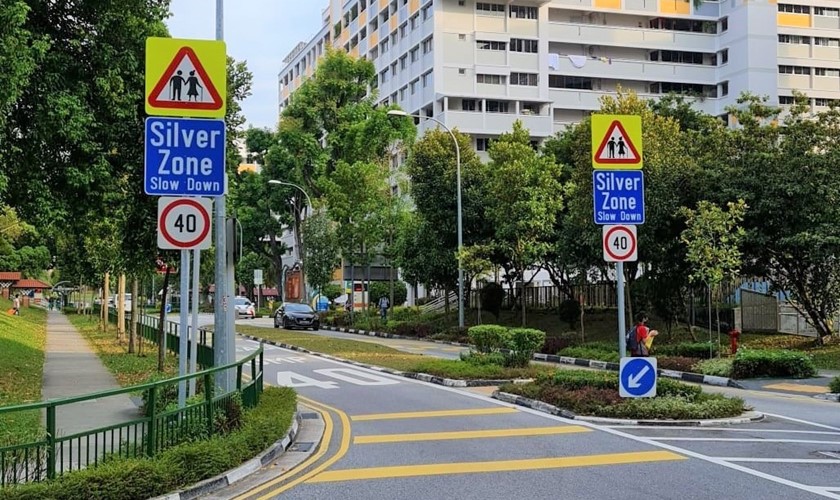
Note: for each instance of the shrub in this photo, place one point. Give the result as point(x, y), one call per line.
point(140, 478)
point(331, 291)
point(719, 367)
point(688, 350)
point(834, 385)
point(584, 352)
point(377, 289)
point(404, 313)
point(553, 345)
point(569, 311)
point(410, 329)
point(751, 363)
point(675, 408)
point(523, 343)
point(479, 359)
point(678, 363)
point(488, 338)
point(492, 295)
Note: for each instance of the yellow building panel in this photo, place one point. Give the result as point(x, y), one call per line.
point(355, 51)
point(297, 82)
point(362, 19)
point(383, 4)
point(413, 6)
point(608, 4)
point(345, 35)
point(674, 7)
point(795, 20)
point(373, 39)
point(309, 71)
point(393, 23)
point(285, 91)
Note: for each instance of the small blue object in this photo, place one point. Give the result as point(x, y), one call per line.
point(619, 197)
point(184, 157)
point(168, 308)
point(323, 303)
point(637, 378)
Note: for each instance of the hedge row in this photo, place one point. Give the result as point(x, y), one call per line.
point(183, 465)
point(752, 363)
point(834, 385)
point(517, 345)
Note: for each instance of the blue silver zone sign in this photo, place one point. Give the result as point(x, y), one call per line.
point(619, 196)
point(184, 157)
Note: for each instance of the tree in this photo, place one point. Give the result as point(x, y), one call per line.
point(322, 250)
point(712, 236)
point(524, 195)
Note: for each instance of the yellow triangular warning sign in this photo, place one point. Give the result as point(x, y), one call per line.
point(185, 85)
point(617, 147)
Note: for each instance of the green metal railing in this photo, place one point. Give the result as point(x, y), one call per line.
point(160, 428)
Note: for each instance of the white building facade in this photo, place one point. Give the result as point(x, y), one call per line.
point(479, 66)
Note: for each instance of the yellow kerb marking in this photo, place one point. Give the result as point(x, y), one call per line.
point(491, 433)
point(433, 414)
point(798, 388)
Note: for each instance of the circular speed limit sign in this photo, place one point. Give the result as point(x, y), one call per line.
point(620, 244)
point(184, 223)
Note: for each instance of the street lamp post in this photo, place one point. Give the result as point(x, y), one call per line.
point(397, 112)
point(300, 236)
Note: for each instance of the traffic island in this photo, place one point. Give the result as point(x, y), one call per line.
point(585, 394)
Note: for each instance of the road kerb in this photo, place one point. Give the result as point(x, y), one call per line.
point(745, 418)
point(239, 473)
point(831, 396)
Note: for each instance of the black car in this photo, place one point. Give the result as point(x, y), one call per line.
point(293, 315)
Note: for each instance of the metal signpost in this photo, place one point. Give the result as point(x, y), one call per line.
point(618, 194)
point(185, 157)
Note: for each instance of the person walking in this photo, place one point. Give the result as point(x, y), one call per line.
point(384, 304)
point(643, 337)
point(16, 304)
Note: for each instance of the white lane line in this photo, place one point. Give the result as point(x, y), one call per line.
point(744, 440)
point(782, 461)
point(823, 492)
point(822, 426)
point(721, 429)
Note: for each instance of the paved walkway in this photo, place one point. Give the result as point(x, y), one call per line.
point(72, 368)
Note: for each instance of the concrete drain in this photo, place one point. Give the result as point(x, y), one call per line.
point(309, 415)
point(302, 447)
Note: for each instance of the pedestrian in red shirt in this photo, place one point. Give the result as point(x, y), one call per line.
point(644, 336)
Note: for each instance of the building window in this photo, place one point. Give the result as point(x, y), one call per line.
point(795, 39)
point(402, 92)
point(427, 79)
point(491, 79)
point(794, 70)
point(522, 12)
point(723, 56)
point(415, 54)
point(427, 12)
point(470, 105)
point(825, 11)
point(827, 42)
point(482, 143)
point(490, 45)
point(427, 45)
point(384, 46)
point(724, 24)
point(786, 99)
point(676, 56)
point(794, 9)
point(724, 89)
point(830, 72)
point(520, 45)
point(569, 82)
point(413, 86)
point(530, 108)
point(404, 30)
point(414, 21)
point(394, 69)
point(498, 106)
point(462, 71)
point(529, 79)
point(374, 53)
point(403, 61)
point(490, 9)
point(383, 76)
point(825, 102)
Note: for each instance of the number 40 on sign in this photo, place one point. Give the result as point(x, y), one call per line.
point(620, 244)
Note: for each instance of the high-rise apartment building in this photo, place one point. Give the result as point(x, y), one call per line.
point(480, 66)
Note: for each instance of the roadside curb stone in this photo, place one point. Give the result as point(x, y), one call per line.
point(237, 474)
point(831, 396)
point(745, 418)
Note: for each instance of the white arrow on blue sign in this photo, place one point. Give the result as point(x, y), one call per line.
point(185, 157)
point(619, 197)
point(637, 378)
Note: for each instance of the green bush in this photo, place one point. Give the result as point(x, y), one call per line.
point(331, 291)
point(479, 359)
point(140, 478)
point(677, 363)
point(492, 295)
point(404, 314)
point(719, 367)
point(410, 329)
point(675, 408)
point(378, 289)
point(834, 385)
point(523, 343)
point(569, 311)
point(752, 363)
point(688, 350)
point(488, 338)
point(584, 352)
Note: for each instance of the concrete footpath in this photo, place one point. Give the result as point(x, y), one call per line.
point(71, 368)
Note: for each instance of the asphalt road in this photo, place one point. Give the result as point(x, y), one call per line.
point(396, 438)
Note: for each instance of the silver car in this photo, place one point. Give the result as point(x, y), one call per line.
point(244, 308)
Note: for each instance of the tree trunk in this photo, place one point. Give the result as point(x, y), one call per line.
point(710, 319)
point(582, 330)
point(446, 299)
point(162, 323)
point(120, 305)
point(478, 299)
point(522, 298)
point(717, 317)
point(351, 297)
point(106, 291)
point(690, 315)
point(135, 302)
point(301, 249)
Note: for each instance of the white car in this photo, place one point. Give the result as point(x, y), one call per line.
point(244, 307)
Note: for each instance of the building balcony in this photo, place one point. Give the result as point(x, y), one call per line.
point(623, 69)
point(476, 122)
point(591, 34)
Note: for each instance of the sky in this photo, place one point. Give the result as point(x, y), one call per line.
point(261, 32)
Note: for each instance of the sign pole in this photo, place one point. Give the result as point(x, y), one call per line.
point(182, 328)
point(196, 270)
point(622, 327)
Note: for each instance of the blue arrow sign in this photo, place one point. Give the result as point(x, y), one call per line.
point(637, 378)
point(184, 157)
point(619, 196)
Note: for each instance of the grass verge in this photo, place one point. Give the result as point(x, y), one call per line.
point(380, 355)
point(128, 369)
point(177, 467)
point(22, 342)
point(596, 394)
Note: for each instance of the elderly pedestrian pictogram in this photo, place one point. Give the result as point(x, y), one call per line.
point(617, 147)
point(185, 85)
